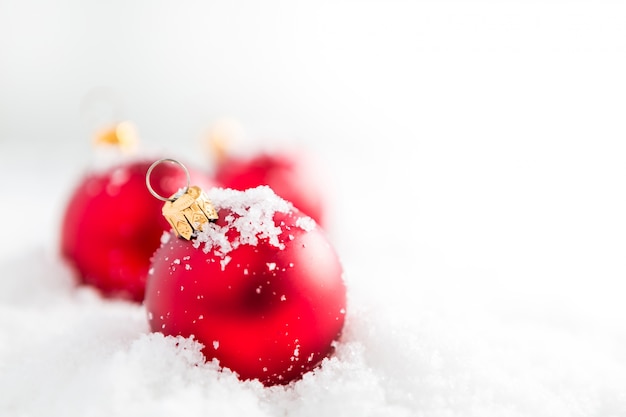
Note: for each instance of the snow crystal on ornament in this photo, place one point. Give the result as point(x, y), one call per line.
point(251, 215)
point(225, 262)
point(305, 223)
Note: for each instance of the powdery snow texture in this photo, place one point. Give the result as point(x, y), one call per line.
point(65, 351)
point(251, 215)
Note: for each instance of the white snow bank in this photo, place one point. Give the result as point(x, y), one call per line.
point(65, 351)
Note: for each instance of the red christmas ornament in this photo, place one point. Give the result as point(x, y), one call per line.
point(290, 174)
point(259, 286)
point(112, 226)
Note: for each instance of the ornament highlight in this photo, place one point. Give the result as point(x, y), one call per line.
point(260, 287)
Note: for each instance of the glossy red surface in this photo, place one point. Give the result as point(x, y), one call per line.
point(266, 313)
point(112, 225)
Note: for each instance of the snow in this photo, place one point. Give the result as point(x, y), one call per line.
point(476, 155)
point(250, 213)
point(305, 223)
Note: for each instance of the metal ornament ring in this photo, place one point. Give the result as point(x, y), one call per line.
point(157, 195)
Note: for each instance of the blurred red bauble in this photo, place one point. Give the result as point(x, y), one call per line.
point(290, 174)
point(112, 225)
point(261, 288)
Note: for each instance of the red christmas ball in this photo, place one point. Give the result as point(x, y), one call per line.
point(290, 174)
point(112, 225)
point(261, 288)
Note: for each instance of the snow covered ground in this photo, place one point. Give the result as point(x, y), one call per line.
point(476, 152)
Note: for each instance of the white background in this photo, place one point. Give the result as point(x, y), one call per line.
point(476, 151)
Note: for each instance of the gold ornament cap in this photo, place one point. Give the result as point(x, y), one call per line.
point(189, 209)
point(123, 135)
